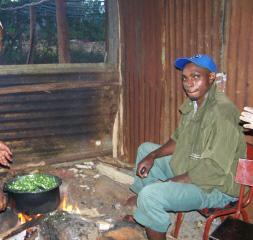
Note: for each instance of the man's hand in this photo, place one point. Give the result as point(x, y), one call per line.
point(184, 178)
point(3, 201)
point(247, 116)
point(146, 162)
point(5, 154)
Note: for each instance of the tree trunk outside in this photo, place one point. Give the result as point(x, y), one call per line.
point(32, 35)
point(62, 32)
point(20, 41)
point(1, 46)
point(1, 57)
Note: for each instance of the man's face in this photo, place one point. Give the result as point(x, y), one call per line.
point(197, 81)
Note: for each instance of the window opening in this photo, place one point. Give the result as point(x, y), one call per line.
point(85, 25)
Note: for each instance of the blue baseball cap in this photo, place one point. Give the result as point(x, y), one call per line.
point(198, 59)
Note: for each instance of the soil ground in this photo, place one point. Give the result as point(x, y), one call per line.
point(101, 198)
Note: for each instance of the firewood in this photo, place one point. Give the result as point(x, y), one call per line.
point(18, 229)
point(33, 236)
point(114, 174)
point(116, 162)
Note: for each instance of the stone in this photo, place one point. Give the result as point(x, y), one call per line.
point(83, 166)
point(104, 225)
point(93, 212)
point(8, 219)
point(63, 225)
point(89, 163)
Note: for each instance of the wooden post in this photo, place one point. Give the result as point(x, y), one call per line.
point(1, 45)
point(62, 32)
point(1, 37)
point(32, 35)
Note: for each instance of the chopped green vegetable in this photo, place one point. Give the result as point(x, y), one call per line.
point(32, 183)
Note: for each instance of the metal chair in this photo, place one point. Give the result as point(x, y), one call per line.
point(212, 213)
point(233, 228)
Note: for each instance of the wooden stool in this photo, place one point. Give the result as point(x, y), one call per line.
point(233, 229)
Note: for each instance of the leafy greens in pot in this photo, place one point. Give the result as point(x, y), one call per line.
point(32, 183)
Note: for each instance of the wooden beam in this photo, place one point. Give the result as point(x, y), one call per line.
point(22, 166)
point(57, 68)
point(53, 86)
point(115, 174)
point(116, 162)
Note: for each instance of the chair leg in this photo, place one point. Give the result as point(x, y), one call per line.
point(207, 227)
point(178, 223)
point(244, 215)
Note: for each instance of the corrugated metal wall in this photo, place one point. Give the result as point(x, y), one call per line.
point(142, 33)
point(154, 34)
point(238, 55)
point(191, 27)
point(57, 111)
point(238, 60)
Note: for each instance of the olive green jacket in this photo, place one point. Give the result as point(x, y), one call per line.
point(209, 143)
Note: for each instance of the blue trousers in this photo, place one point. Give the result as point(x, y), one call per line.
point(157, 198)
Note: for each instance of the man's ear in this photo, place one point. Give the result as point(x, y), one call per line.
point(212, 77)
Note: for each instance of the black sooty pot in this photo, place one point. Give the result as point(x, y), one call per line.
point(32, 203)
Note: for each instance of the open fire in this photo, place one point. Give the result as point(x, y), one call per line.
point(69, 208)
point(25, 218)
point(29, 221)
point(62, 206)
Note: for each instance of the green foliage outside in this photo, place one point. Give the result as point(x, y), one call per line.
point(86, 33)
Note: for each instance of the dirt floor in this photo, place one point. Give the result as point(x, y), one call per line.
point(102, 198)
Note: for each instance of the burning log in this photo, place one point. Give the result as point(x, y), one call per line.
point(18, 229)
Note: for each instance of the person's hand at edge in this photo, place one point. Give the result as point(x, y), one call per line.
point(247, 116)
point(3, 201)
point(5, 154)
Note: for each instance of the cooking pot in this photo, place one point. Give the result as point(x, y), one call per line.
point(31, 203)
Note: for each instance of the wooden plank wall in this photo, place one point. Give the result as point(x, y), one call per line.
point(57, 111)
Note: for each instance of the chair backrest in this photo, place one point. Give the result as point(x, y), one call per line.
point(244, 172)
point(244, 176)
point(249, 151)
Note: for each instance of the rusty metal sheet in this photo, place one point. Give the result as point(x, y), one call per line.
point(143, 33)
point(239, 52)
point(155, 33)
point(38, 125)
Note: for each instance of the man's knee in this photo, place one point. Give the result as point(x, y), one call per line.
point(143, 147)
point(150, 210)
point(147, 147)
point(146, 197)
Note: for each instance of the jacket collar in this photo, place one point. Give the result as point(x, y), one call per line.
point(188, 106)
